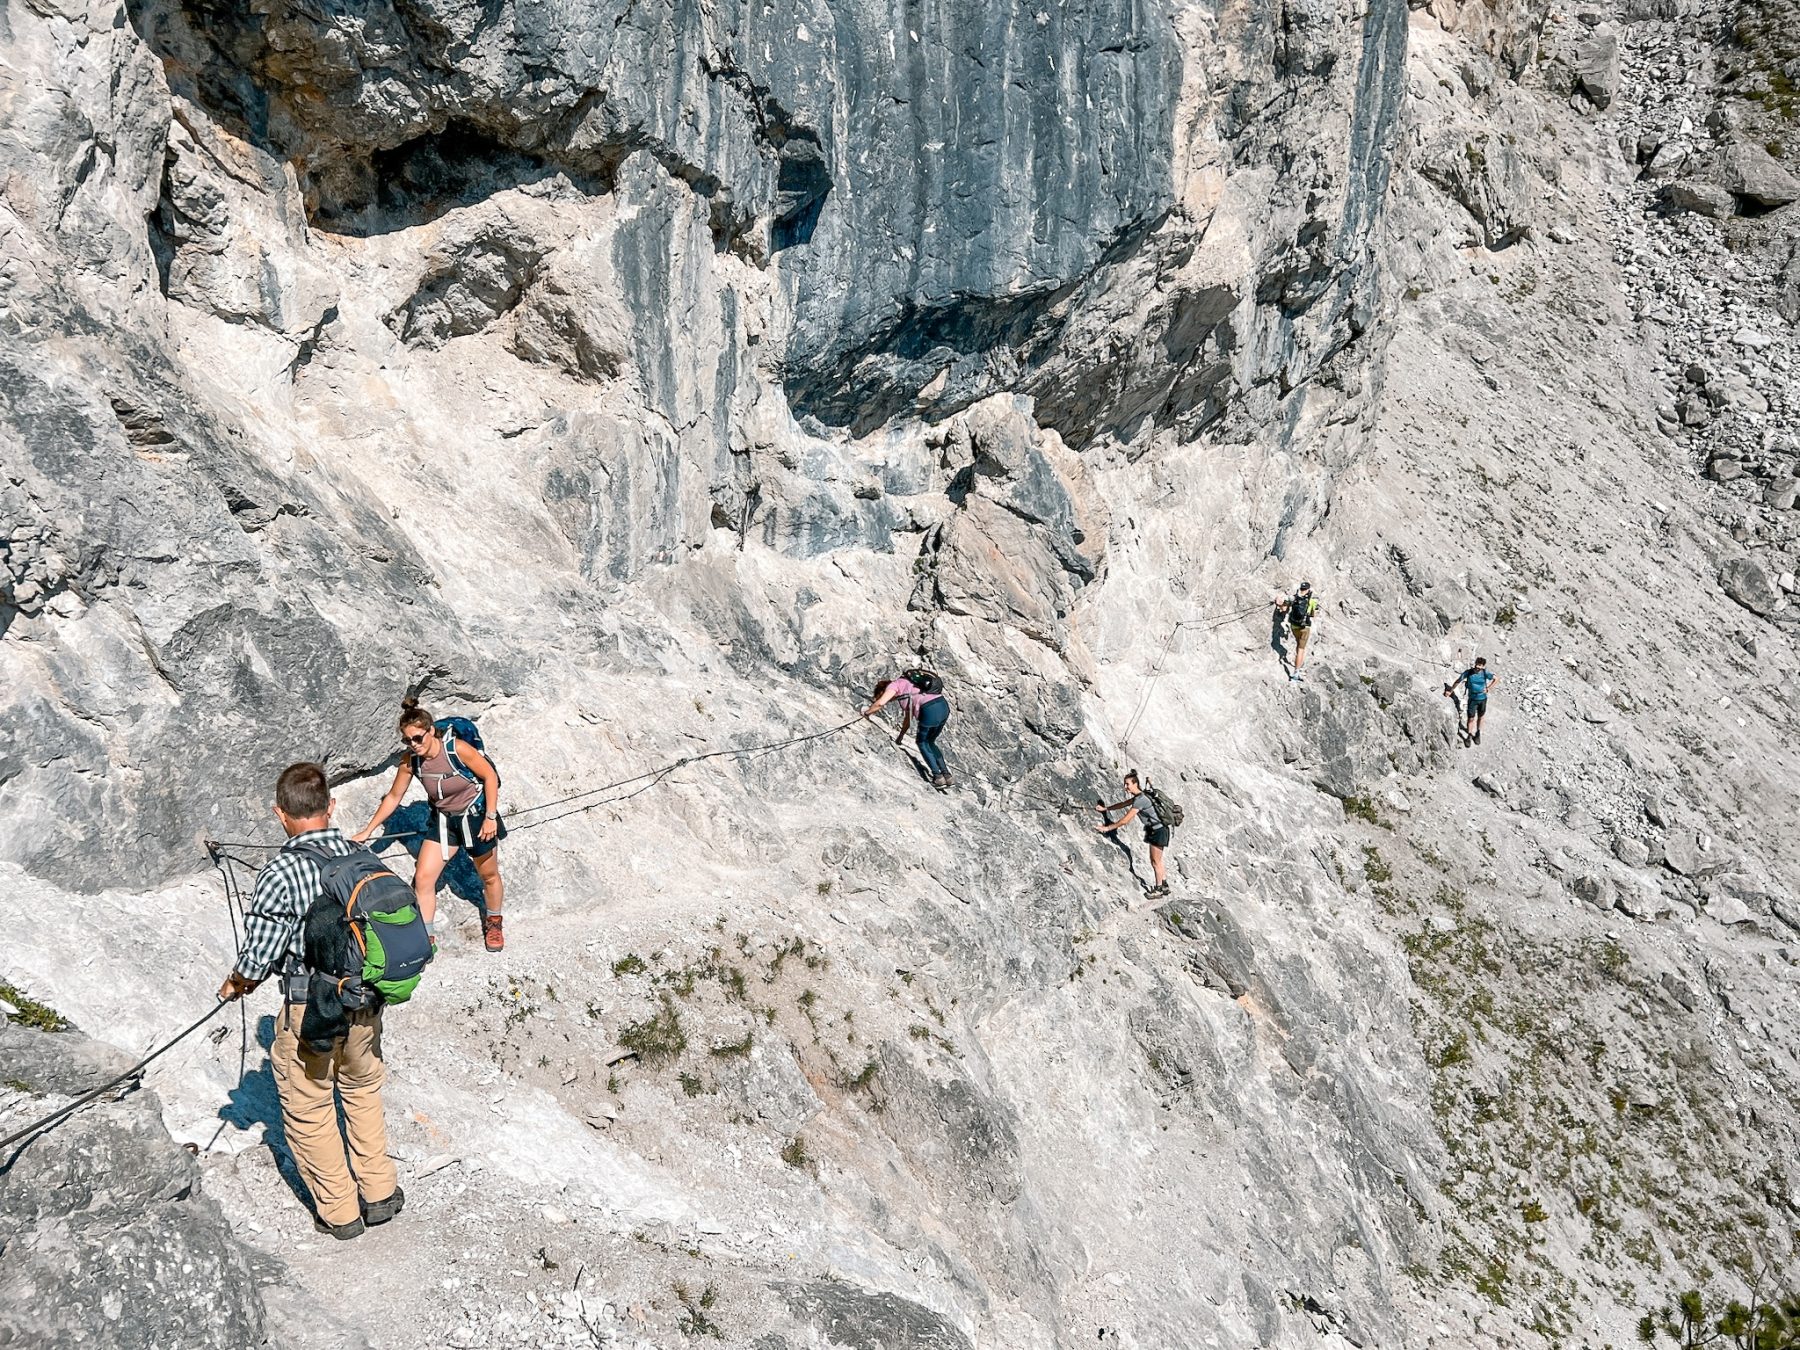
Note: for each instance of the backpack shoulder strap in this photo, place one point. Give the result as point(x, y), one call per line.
point(456, 760)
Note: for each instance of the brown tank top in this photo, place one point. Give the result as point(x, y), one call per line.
point(445, 788)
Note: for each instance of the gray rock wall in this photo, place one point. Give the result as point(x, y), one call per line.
point(105, 1238)
point(650, 378)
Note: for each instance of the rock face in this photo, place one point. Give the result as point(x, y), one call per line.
point(649, 380)
point(882, 235)
point(902, 177)
point(105, 1236)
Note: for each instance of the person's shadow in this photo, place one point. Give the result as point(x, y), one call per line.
point(1278, 637)
point(255, 1101)
point(406, 827)
point(919, 766)
point(1117, 839)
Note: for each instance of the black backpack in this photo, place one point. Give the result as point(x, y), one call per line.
point(1166, 806)
point(925, 681)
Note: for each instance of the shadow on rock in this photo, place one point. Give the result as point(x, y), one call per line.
point(406, 827)
point(254, 1101)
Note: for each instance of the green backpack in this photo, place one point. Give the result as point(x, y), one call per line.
point(368, 920)
point(1166, 806)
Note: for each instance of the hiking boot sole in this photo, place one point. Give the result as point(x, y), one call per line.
point(343, 1232)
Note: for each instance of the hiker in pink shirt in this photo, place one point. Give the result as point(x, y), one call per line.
point(920, 694)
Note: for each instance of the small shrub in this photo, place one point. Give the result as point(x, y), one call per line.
point(795, 946)
point(1454, 1051)
point(691, 1084)
point(692, 1319)
point(629, 964)
point(1363, 809)
point(1507, 617)
point(1375, 867)
point(1613, 959)
point(31, 1013)
point(863, 1079)
point(657, 1039)
point(734, 1049)
point(1491, 1282)
point(1532, 1212)
point(794, 1153)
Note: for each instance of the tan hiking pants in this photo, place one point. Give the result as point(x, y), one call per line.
point(1300, 637)
point(305, 1082)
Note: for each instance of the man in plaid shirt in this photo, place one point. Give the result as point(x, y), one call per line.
point(311, 1084)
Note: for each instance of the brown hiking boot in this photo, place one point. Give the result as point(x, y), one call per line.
point(491, 934)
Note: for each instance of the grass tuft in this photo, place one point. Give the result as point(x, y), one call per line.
point(658, 1039)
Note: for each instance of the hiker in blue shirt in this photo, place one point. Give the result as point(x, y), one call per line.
point(1476, 679)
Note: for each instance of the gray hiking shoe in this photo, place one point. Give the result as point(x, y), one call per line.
point(343, 1232)
point(383, 1210)
point(941, 782)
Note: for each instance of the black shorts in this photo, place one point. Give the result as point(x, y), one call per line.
point(1157, 836)
point(439, 826)
point(1477, 707)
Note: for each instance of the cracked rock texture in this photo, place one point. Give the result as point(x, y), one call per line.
point(107, 1236)
point(648, 379)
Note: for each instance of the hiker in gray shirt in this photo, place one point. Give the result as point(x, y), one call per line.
point(1139, 804)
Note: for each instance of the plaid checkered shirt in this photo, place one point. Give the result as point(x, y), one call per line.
point(285, 890)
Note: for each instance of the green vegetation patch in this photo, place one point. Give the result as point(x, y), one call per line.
point(658, 1039)
point(32, 1013)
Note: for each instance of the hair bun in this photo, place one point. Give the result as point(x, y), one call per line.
point(408, 703)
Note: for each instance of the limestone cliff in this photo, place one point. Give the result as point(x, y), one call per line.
point(649, 378)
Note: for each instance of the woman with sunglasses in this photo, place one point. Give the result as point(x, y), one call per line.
point(463, 788)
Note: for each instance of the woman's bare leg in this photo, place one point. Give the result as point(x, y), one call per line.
point(493, 890)
point(426, 872)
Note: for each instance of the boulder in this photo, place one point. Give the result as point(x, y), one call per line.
point(1688, 853)
point(1702, 199)
point(1596, 890)
point(1596, 67)
point(1746, 581)
point(1751, 174)
point(1484, 174)
point(1727, 909)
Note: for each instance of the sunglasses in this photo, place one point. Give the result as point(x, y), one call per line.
point(419, 739)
